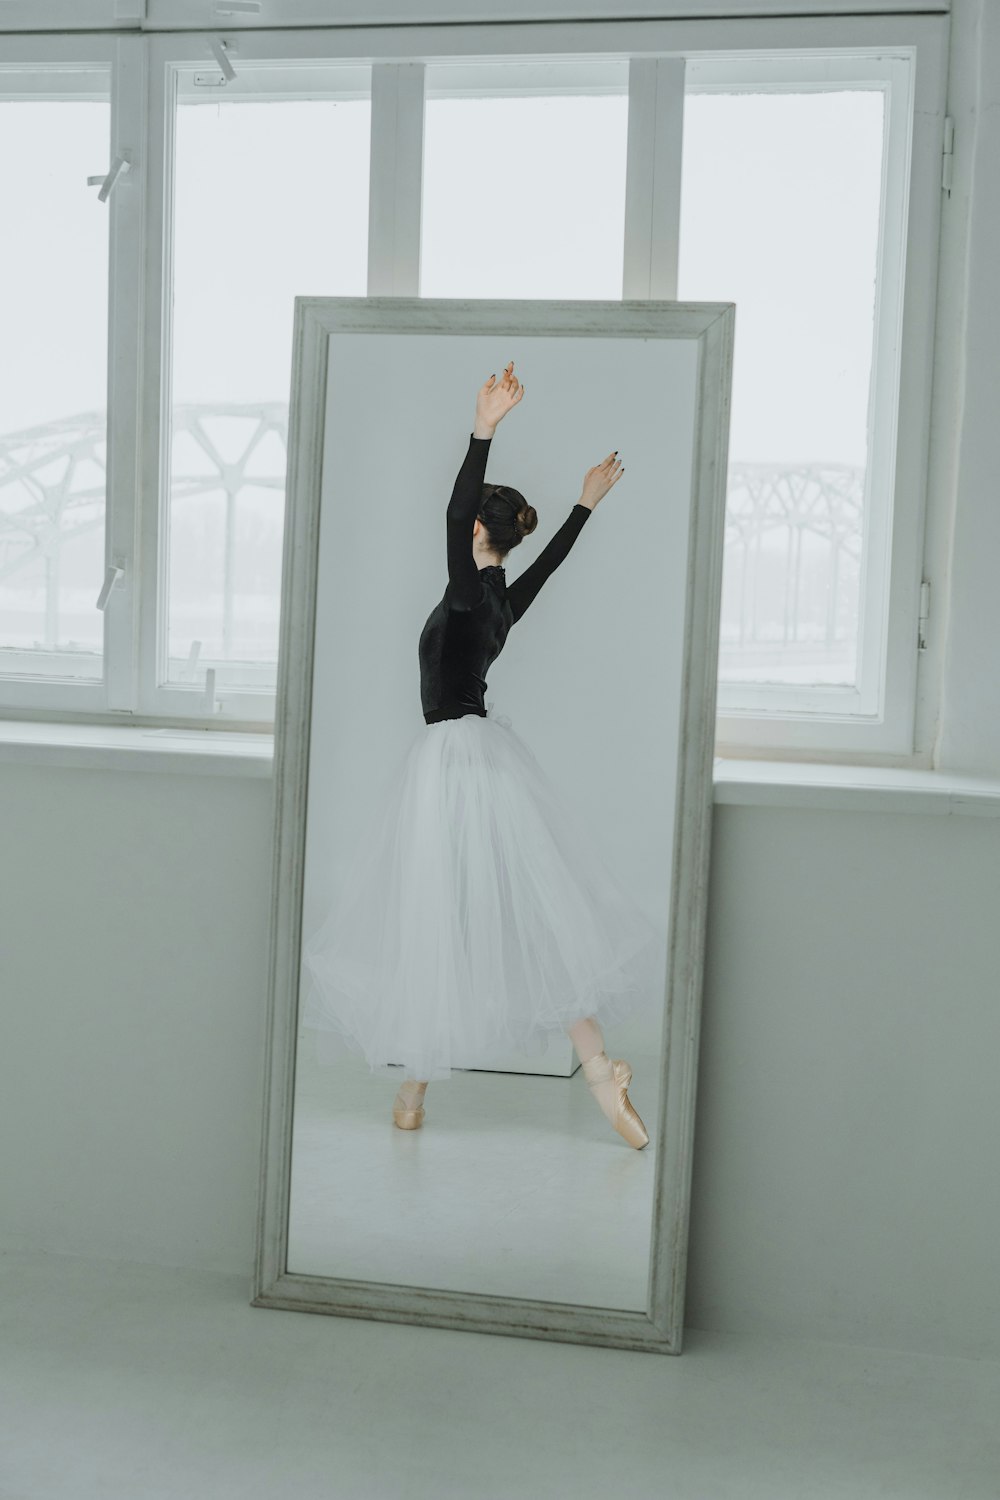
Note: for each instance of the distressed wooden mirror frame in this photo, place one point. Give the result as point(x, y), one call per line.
point(710, 325)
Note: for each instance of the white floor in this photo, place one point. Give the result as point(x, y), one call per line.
point(126, 1382)
point(515, 1185)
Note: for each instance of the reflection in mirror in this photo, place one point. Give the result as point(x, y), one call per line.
point(488, 864)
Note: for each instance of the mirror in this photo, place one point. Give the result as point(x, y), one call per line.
point(482, 881)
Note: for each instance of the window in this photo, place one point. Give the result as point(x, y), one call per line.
point(150, 318)
point(54, 134)
point(799, 175)
point(527, 224)
point(270, 202)
point(792, 174)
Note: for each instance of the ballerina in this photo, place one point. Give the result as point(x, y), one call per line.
point(481, 916)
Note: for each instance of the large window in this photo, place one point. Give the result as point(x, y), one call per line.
point(53, 374)
point(148, 319)
point(799, 176)
point(270, 202)
point(512, 154)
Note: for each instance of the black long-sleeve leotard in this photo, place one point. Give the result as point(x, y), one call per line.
point(465, 631)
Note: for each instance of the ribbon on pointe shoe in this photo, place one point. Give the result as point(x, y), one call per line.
point(598, 1069)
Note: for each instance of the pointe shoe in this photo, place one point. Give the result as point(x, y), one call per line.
point(405, 1117)
point(600, 1070)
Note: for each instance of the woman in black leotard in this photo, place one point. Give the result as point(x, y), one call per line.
point(481, 917)
point(466, 630)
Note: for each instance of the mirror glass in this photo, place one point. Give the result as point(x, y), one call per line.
point(474, 883)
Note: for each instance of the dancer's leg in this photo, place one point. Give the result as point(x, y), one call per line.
point(587, 1038)
point(408, 1105)
point(599, 1071)
point(411, 1093)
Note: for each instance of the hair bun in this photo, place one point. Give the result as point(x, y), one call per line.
point(526, 520)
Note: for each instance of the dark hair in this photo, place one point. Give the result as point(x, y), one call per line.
point(506, 515)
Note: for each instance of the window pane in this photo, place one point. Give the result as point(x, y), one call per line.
point(53, 385)
point(780, 208)
point(524, 196)
point(271, 203)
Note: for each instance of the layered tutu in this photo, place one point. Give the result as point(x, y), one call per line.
point(480, 917)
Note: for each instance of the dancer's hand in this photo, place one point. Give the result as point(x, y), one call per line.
point(598, 480)
point(494, 400)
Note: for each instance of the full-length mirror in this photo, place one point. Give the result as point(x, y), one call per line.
point(494, 752)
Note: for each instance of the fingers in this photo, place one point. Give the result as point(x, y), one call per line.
point(606, 474)
point(508, 383)
point(513, 387)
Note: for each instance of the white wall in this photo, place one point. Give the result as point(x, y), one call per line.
point(132, 968)
point(845, 1142)
point(844, 1178)
point(845, 1181)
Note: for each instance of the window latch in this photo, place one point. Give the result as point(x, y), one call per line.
point(113, 575)
point(119, 167)
point(925, 609)
point(220, 52)
point(948, 155)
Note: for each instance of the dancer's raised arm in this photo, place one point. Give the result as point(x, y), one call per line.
point(465, 587)
point(596, 484)
point(494, 400)
point(522, 591)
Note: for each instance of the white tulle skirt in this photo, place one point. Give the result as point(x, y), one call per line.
point(481, 917)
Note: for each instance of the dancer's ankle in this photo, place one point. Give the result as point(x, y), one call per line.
point(600, 1075)
point(411, 1092)
point(587, 1038)
point(597, 1069)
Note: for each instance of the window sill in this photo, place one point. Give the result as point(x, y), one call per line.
point(741, 783)
point(771, 783)
point(133, 747)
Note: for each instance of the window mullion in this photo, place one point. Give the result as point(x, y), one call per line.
point(155, 324)
point(128, 124)
point(395, 183)
point(653, 176)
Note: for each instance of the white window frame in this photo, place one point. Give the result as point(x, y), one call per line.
point(658, 54)
point(878, 714)
point(173, 59)
point(54, 67)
